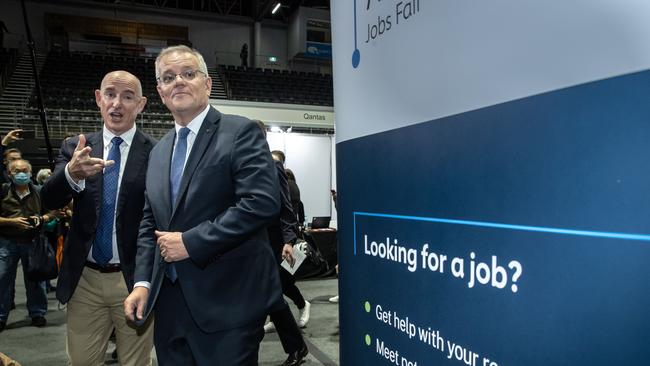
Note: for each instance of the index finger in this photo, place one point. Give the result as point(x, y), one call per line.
point(128, 309)
point(98, 161)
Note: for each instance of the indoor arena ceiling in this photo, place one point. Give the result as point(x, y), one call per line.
point(255, 9)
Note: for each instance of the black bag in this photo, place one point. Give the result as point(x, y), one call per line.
point(41, 261)
point(314, 264)
point(315, 256)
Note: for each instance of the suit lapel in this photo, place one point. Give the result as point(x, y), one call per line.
point(203, 139)
point(96, 182)
point(161, 171)
point(138, 155)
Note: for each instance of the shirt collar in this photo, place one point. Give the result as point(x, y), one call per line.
point(27, 193)
point(196, 123)
point(126, 136)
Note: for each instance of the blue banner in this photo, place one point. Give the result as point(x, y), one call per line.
point(516, 234)
point(319, 50)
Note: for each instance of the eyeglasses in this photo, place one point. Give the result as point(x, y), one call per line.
point(187, 75)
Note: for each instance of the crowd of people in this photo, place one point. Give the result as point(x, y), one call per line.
point(164, 240)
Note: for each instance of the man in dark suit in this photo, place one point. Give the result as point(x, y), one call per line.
point(203, 252)
point(283, 235)
point(99, 254)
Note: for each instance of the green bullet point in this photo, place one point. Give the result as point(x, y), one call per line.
point(367, 306)
point(368, 340)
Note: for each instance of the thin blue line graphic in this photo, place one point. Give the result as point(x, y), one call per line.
point(355, 232)
point(355, 24)
point(596, 234)
point(356, 55)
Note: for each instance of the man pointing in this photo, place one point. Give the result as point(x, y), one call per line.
point(104, 173)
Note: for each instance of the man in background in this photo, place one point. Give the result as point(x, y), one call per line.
point(9, 155)
point(20, 220)
point(283, 235)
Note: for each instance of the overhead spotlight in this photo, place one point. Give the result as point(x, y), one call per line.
point(276, 7)
point(276, 129)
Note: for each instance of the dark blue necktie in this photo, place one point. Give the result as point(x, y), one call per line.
point(175, 176)
point(103, 245)
point(178, 162)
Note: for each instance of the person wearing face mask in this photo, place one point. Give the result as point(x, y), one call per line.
point(8, 154)
point(20, 220)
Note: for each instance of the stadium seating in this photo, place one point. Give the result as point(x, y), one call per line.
point(68, 81)
point(276, 86)
point(8, 58)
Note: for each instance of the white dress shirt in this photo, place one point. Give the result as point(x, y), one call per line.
point(194, 126)
point(125, 147)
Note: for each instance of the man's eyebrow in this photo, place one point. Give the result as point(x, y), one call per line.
point(112, 89)
point(183, 68)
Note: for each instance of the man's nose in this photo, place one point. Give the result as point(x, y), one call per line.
point(178, 79)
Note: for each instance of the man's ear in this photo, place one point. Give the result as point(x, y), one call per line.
point(98, 97)
point(143, 102)
point(208, 84)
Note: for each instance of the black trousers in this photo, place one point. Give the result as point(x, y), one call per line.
point(288, 331)
point(290, 289)
point(285, 323)
point(179, 341)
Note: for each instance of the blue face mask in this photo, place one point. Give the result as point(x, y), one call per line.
point(21, 179)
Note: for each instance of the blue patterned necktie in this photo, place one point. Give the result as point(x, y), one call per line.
point(103, 245)
point(175, 176)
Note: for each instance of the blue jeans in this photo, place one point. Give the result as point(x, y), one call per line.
point(10, 253)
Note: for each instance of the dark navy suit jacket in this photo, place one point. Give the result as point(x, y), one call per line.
point(284, 229)
point(57, 193)
point(227, 196)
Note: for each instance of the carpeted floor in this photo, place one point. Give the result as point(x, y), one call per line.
point(46, 346)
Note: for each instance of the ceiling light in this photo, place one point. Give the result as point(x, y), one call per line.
point(275, 8)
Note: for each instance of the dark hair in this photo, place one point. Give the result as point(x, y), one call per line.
point(290, 175)
point(12, 150)
point(279, 154)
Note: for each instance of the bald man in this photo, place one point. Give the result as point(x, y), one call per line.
point(104, 173)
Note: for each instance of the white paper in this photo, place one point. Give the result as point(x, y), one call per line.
point(298, 257)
